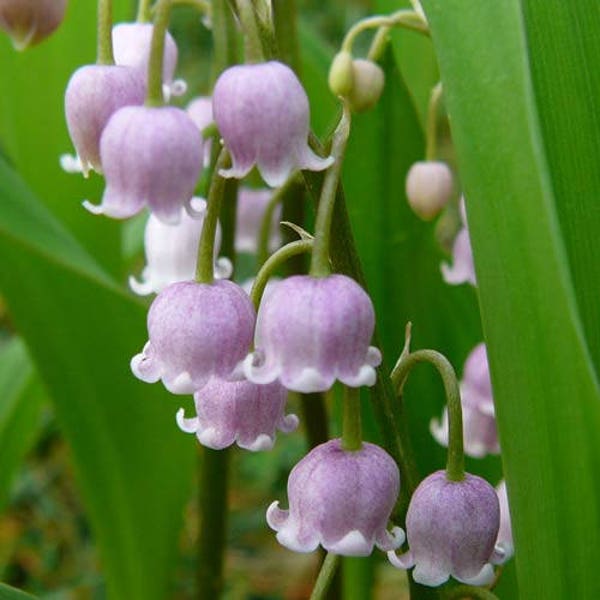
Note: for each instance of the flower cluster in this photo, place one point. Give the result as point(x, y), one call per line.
point(240, 354)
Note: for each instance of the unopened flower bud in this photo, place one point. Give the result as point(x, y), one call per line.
point(28, 22)
point(368, 82)
point(341, 74)
point(429, 187)
point(340, 499)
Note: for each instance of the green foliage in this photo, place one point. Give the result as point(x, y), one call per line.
point(133, 464)
point(10, 593)
point(521, 153)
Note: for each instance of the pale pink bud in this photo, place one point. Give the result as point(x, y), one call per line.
point(429, 187)
point(368, 81)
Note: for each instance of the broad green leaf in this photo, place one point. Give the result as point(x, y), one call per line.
point(33, 131)
point(504, 113)
point(21, 399)
point(11, 593)
point(133, 464)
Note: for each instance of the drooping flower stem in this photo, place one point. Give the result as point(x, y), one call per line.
point(432, 116)
point(225, 46)
point(407, 19)
point(253, 45)
point(206, 247)
point(319, 265)
point(212, 517)
point(162, 15)
point(273, 263)
point(105, 54)
point(351, 427)
point(326, 575)
point(143, 12)
point(264, 233)
point(455, 466)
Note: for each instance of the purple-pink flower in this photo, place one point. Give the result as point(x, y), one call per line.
point(241, 412)
point(251, 207)
point(462, 269)
point(196, 331)
point(93, 95)
point(262, 113)
point(151, 156)
point(451, 528)
point(311, 331)
point(505, 537)
point(341, 500)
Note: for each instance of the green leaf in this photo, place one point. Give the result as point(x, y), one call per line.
point(534, 272)
point(133, 464)
point(11, 593)
point(33, 130)
point(21, 399)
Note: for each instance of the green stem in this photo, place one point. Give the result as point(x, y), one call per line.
point(212, 513)
point(455, 466)
point(264, 233)
point(225, 47)
point(469, 591)
point(105, 49)
point(154, 95)
point(273, 263)
point(285, 19)
point(326, 575)
point(143, 12)
point(206, 247)
point(351, 428)
point(407, 19)
point(314, 417)
point(432, 118)
point(253, 45)
point(379, 43)
point(319, 265)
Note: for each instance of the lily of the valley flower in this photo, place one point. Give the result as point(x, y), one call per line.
point(311, 331)
point(241, 412)
point(451, 528)
point(251, 207)
point(196, 331)
point(462, 269)
point(341, 500)
point(429, 186)
point(262, 113)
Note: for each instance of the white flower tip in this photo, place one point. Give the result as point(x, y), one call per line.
point(95, 209)
point(143, 368)
point(178, 87)
point(502, 552)
point(211, 438)
point(182, 384)
point(262, 442)
point(404, 561)
point(196, 208)
point(439, 431)
point(484, 577)
point(71, 164)
point(353, 543)
point(276, 517)
point(397, 536)
point(309, 381)
point(223, 268)
point(289, 423)
point(141, 288)
point(186, 425)
point(254, 369)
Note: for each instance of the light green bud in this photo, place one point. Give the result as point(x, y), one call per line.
point(341, 75)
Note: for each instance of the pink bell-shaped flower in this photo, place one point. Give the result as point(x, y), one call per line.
point(238, 411)
point(93, 95)
point(341, 500)
point(172, 252)
point(505, 537)
point(251, 208)
point(200, 111)
point(480, 435)
point(197, 331)
point(311, 331)
point(131, 47)
point(262, 113)
point(462, 269)
point(451, 527)
point(28, 22)
point(151, 156)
